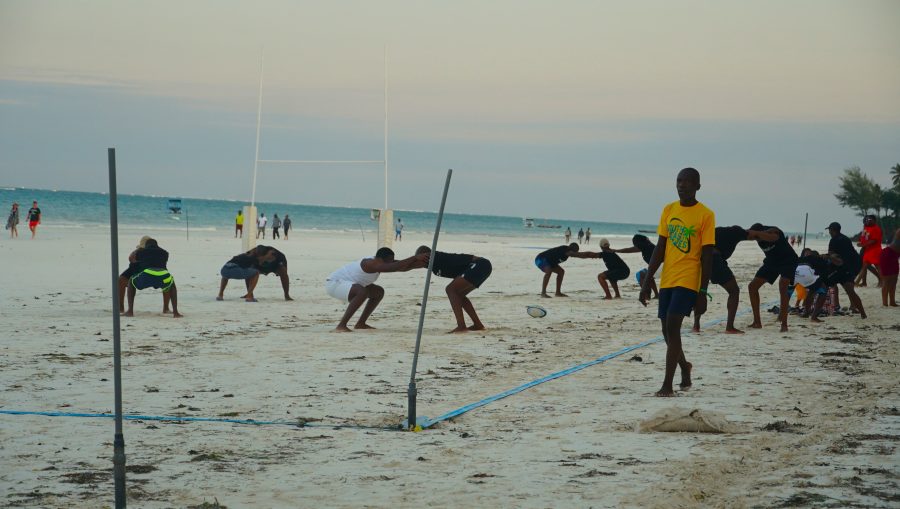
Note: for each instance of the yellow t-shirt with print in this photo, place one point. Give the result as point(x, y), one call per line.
point(687, 230)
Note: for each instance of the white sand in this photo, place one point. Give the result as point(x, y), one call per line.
point(568, 443)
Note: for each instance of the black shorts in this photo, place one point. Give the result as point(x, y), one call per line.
point(130, 271)
point(676, 301)
point(153, 278)
point(842, 275)
point(771, 271)
point(478, 272)
point(721, 272)
point(617, 274)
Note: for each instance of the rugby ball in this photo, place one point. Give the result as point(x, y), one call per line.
point(536, 311)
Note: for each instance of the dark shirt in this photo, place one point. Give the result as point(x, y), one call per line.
point(777, 252)
point(451, 265)
point(151, 258)
point(286, 223)
point(647, 251)
point(34, 214)
point(244, 261)
point(842, 246)
point(613, 261)
point(727, 238)
point(270, 267)
point(556, 255)
point(822, 266)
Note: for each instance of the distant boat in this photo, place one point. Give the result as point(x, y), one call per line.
point(549, 226)
point(528, 222)
point(175, 205)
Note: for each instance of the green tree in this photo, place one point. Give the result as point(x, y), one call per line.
point(890, 199)
point(895, 176)
point(859, 192)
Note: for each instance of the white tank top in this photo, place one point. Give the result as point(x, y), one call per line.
point(354, 273)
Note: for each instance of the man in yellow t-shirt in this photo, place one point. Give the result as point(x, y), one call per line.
point(239, 224)
point(687, 237)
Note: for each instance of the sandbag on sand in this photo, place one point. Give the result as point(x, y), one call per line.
point(694, 421)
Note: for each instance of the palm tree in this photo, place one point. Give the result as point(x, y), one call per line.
point(895, 176)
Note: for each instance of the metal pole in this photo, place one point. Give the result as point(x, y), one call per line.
point(385, 132)
point(118, 439)
point(258, 121)
point(411, 392)
point(805, 223)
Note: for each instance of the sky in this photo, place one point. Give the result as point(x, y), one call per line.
point(564, 109)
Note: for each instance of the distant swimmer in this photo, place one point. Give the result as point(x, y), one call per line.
point(727, 239)
point(616, 269)
point(245, 266)
point(34, 218)
point(152, 273)
point(549, 262)
point(287, 226)
point(842, 246)
point(12, 222)
point(641, 244)
point(239, 224)
point(354, 284)
point(468, 272)
point(780, 262)
point(687, 238)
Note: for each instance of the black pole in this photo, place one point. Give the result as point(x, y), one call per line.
point(805, 223)
point(119, 438)
point(411, 391)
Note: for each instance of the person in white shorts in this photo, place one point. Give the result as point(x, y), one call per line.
point(354, 283)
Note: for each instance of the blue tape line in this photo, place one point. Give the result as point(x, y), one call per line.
point(134, 417)
point(515, 390)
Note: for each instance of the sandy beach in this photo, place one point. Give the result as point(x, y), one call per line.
point(817, 407)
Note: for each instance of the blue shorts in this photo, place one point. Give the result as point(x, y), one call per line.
point(542, 263)
point(639, 274)
point(676, 301)
point(234, 271)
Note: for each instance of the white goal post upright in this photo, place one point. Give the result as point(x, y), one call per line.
point(385, 222)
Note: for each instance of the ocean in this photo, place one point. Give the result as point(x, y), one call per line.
point(74, 209)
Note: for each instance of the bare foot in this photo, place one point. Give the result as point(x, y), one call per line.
point(288, 297)
point(166, 311)
point(544, 295)
point(129, 313)
point(606, 298)
point(458, 330)
point(220, 298)
point(686, 376)
point(477, 326)
point(363, 326)
point(695, 328)
point(784, 328)
point(342, 328)
point(755, 325)
point(177, 315)
point(251, 299)
point(813, 319)
point(560, 294)
point(893, 304)
point(665, 393)
point(863, 315)
point(732, 330)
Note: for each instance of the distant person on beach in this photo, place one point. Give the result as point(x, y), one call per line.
point(727, 239)
point(152, 273)
point(261, 226)
point(616, 269)
point(580, 235)
point(398, 229)
point(779, 263)
point(842, 246)
point(641, 244)
point(245, 266)
point(132, 270)
point(468, 272)
point(687, 231)
point(568, 235)
point(587, 236)
point(870, 242)
point(354, 284)
point(549, 262)
point(12, 222)
point(34, 219)
point(890, 267)
point(239, 224)
point(276, 225)
point(287, 225)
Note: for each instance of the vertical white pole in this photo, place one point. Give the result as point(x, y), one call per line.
point(385, 131)
point(258, 121)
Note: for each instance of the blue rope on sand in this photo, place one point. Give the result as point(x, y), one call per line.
point(424, 423)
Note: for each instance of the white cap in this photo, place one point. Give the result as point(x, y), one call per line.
point(805, 275)
point(604, 242)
